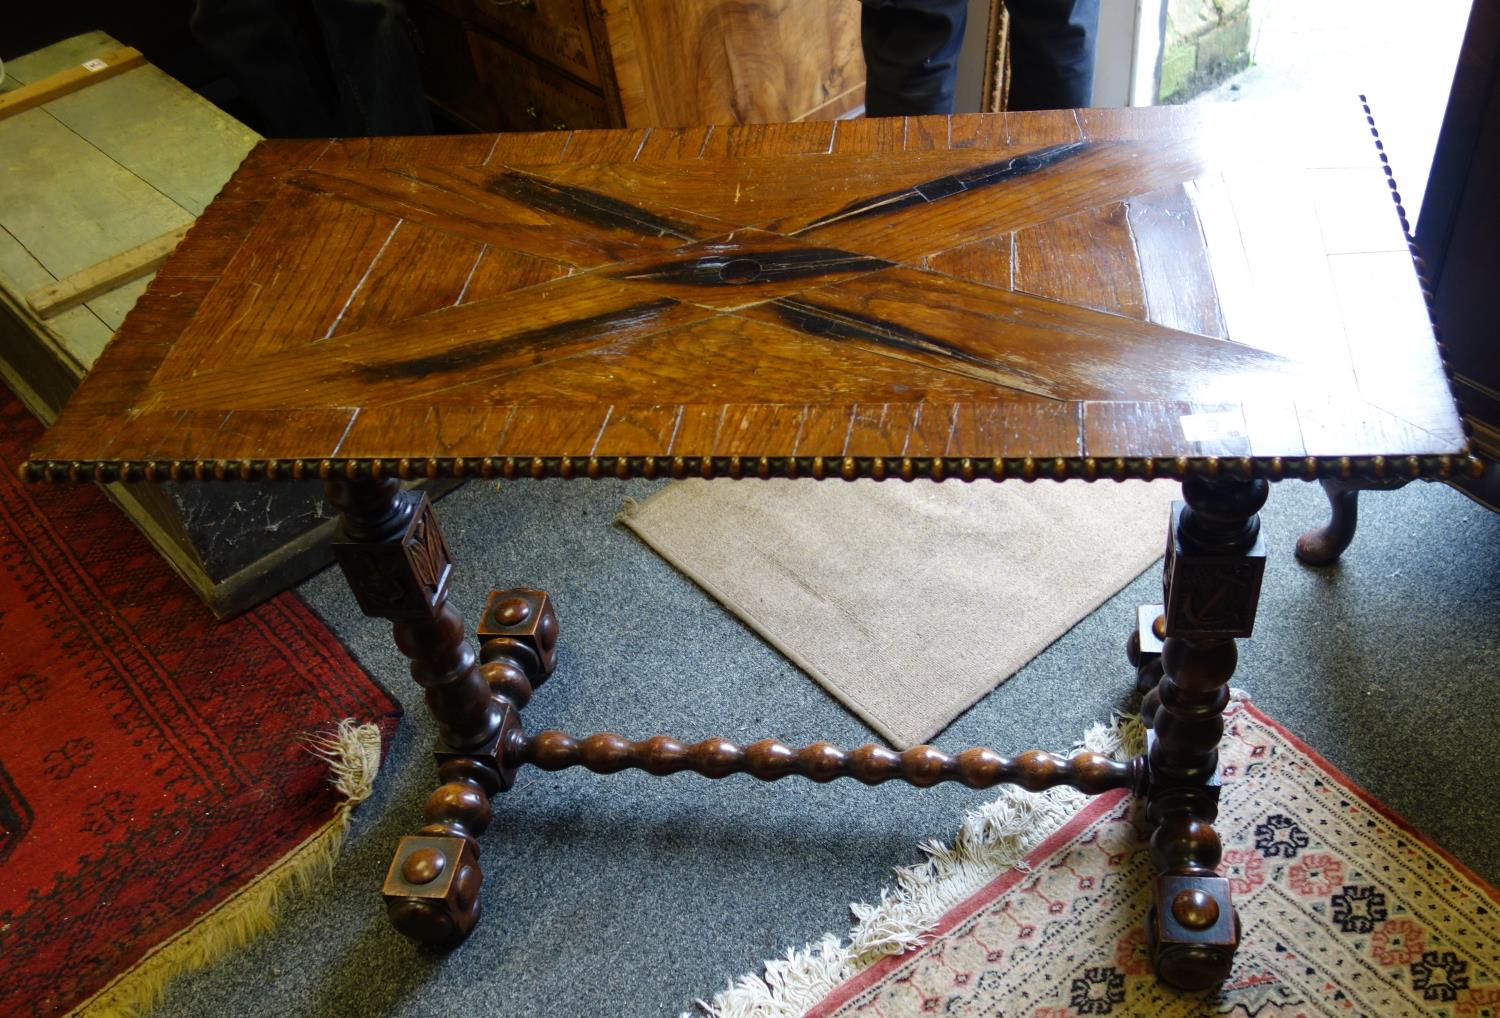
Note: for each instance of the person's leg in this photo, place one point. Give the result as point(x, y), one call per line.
point(911, 55)
point(373, 55)
point(1052, 53)
point(272, 52)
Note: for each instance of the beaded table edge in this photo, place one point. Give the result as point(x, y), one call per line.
point(849, 468)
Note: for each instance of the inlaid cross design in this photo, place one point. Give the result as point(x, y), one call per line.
point(1055, 287)
point(643, 279)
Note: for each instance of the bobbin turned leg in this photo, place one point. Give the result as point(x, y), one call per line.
point(1215, 561)
point(1322, 546)
point(391, 550)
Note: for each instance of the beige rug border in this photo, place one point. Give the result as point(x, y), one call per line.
point(627, 516)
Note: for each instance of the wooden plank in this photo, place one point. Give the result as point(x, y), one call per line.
point(1391, 344)
point(1016, 342)
point(1087, 259)
point(806, 138)
point(62, 83)
point(943, 210)
point(926, 133)
point(537, 431)
point(85, 285)
point(215, 238)
point(1255, 427)
point(987, 261)
point(173, 139)
point(424, 150)
point(978, 130)
point(321, 248)
point(425, 431)
point(607, 146)
point(879, 429)
point(68, 204)
point(126, 366)
point(756, 429)
point(676, 143)
point(1015, 427)
point(745, 358)
point(1035, 129)
point(415, 271)
point(870, 136)
point(1350, 202)
point(1297, 308)
point(498, 271)
point(473, 346)
point(931, 429)
point(823, 430)
point(1351, 426)
point(640, 431)
point(268, 163)
point(515, 209)
point(1171, 428)
point(529, 148)
point(697, 429)
point(1173, 261)
point(759, 192)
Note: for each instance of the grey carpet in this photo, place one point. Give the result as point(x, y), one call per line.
point(629, 895)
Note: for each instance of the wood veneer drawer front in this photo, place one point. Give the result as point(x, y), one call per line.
point(447, 67)
point(553, 30)
point(528, 96)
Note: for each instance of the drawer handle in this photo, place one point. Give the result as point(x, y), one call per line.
point(559, 126)
point(533, 112)
point(525, 5)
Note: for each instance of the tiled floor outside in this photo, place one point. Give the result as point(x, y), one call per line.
point(1399, 55)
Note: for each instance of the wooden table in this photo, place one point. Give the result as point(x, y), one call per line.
point(1220, 295)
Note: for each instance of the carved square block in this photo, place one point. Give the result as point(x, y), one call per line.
point(524, 615)
point(427, 867)
point(404, 579)
point(432, 888)
point(1194, 911)
point(492, 754)
point(1211, 596)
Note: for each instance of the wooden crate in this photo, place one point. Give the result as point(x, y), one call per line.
point(90, 180)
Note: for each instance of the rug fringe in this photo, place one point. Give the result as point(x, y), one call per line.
point(352, 752)
point(992, 838)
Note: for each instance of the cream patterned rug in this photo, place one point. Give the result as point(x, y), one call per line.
point(1347, 911)
point(908, 602)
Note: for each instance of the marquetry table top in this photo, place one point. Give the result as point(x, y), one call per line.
point(1100, 293)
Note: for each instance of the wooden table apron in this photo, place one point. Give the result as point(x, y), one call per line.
point(1222, 295)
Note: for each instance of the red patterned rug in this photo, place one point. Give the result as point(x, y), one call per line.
point(154, 764)
point(1347, 911)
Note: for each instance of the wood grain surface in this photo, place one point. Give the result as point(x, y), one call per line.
point(1096, 294)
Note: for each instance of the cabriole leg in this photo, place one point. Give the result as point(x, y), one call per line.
point(1322, 546)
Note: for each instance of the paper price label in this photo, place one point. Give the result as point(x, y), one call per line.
point(1216, 427)
point(94, 65)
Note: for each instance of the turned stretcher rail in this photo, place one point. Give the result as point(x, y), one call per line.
point(770, 760)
